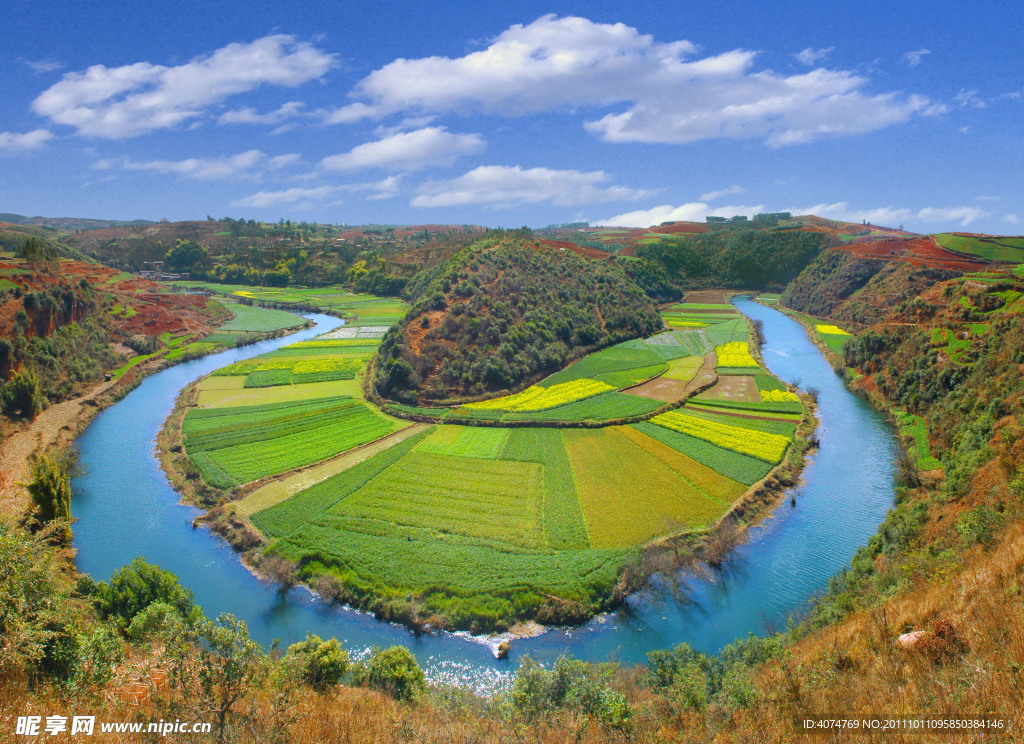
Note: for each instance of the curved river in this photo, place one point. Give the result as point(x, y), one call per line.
point(125, 507)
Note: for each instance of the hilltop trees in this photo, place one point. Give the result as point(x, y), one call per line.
point(503, 311)
point(186, 254)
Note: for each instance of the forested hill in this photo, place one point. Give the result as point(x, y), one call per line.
point(503, 312)
point(743, 259)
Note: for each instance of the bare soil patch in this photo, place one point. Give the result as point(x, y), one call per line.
point(740, 388)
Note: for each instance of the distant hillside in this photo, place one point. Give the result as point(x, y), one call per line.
point(504, 312)
point(862, 283)
point(69, 223)
point(742, 258)
point(13, 238)
point(278, 254)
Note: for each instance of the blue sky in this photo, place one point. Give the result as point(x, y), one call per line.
point(511, 114)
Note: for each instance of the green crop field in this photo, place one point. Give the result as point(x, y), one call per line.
point(259, 319)
point(564, 524)
point(989, 248)
point(231, 446)
point(362, 309)
point(466, 441)
point(914, 426)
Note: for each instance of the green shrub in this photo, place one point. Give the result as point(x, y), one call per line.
point(979, 525)
point(136, 586)
point(50, 489)
point(153, 618)
point(573, 685)
point(322, 663)
point(21, 395)
point(393, 671)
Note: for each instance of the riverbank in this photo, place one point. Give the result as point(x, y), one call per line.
point(59, 424)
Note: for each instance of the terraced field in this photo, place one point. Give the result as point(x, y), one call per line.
point(480, 525)
point(289, 408)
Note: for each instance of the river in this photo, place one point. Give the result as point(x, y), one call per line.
point(125, 507)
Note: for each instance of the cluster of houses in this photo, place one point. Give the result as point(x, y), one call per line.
point(154, 270)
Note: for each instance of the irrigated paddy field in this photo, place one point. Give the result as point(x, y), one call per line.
point(474, 523)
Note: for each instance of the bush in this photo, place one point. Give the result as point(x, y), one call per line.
point(571, 684)
point(21, 395)
point(979, 525)
point(136, 586)
point(155, 617)
point(393, 671)
point(322, 663)
point(50, 489)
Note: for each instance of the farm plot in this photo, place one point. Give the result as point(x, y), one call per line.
point(564, 524)
point(733, 387)
point(735, 355)
point(258, 319)
point(537, 398)
point(236, 445)
point(762, 445)
point(605, 407)
point(832, 336)
point(488, 499)
point(733, 465)
point(629, 496)
point(638, 363)
point(466, 441)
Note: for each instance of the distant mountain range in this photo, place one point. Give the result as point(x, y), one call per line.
point(70, 223)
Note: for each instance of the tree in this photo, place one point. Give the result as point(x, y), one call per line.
point(21, 394)
point(136, 586)
point(185, 254)
point(322, 663)
point(213, 666)
point(393, 671)
point(50, 489)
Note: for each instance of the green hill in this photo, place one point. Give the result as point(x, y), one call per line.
point(504, 312)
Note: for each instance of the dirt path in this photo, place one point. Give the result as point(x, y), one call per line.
point(42, 432)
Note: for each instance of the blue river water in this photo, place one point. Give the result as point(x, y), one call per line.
point(125, 508)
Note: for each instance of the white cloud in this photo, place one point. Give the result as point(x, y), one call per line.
point(251, 116)
point(41, 65)
point(970, 98)
point(245, 165)
point(696, 211)
point(407, 151)
point(672, 96)
point(502, 186)
point(319, 196)
point(715, 195)
point(988, 198)
point(1012, 219)
point(811, 56)
point(25, 141)
point(916, 57)
point(296, 197)
point(890, 216)
point(118, 102)
point(965, 215)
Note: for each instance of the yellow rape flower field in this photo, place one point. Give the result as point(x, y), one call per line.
point(734, 354)
point(759, 444)
point(536, 398)
point(830, 330)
